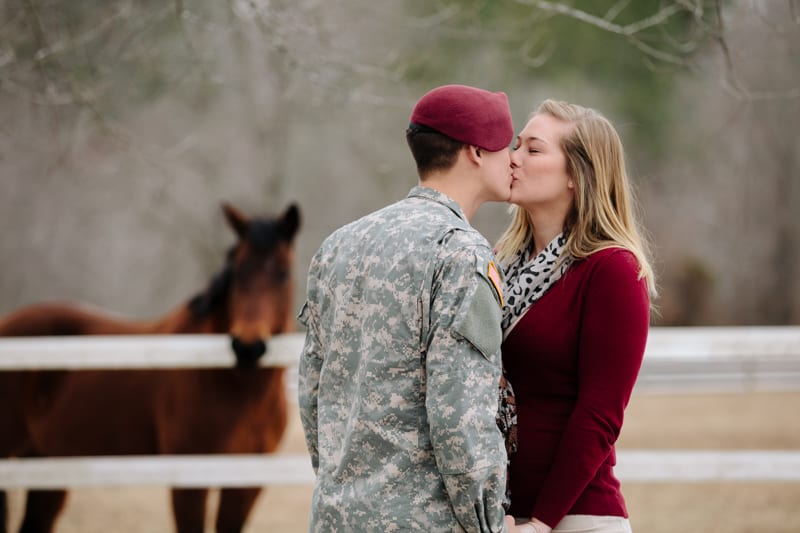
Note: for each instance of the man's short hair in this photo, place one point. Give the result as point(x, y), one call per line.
point(432, 150)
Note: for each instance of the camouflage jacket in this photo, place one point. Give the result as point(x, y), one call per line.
point(400, 371)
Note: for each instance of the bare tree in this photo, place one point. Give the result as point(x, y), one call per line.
point(123, 124)
point(725, 210)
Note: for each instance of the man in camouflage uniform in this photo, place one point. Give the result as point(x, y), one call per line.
point(401, 364)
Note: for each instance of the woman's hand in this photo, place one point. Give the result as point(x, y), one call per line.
point(533, 526)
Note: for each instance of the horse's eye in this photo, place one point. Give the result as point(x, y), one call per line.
point(283, 276)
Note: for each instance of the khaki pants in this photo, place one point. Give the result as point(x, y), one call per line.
point(584, 523)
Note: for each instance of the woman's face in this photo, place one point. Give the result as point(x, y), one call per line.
point(540, 178)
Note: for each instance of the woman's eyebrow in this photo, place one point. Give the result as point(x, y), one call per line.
point(534, 138)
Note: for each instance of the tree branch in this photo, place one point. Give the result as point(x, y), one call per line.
point(605, 23)
point(616, 9)
point(86, 37)
point(629, 31)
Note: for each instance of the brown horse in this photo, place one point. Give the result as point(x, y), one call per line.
point(181, 411)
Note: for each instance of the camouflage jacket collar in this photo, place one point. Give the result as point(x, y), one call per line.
point(438, 197)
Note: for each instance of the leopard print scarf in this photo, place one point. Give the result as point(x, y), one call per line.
point(527, 281)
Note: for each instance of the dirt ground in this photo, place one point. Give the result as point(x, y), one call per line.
point(720, 421)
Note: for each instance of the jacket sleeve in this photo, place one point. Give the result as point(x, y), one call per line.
point(309, 370)
point(613, 334)
point(462, 375)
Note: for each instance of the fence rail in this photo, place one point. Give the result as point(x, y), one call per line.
point(118, 352)
point(714, 359)
point(675, 359)
point(197, 471)
point(184, 471)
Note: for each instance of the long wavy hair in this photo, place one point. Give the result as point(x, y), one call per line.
point(603, 212)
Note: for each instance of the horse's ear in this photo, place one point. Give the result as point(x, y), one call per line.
point(290, 222)
point(236, 220)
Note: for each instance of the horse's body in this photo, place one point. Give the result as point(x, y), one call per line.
point(185, 411)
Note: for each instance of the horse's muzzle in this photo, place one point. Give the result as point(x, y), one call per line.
point(248, 353)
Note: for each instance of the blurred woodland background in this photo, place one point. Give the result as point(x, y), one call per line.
point(124, 124)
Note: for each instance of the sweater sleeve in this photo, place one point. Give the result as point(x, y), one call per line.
point(612, 338)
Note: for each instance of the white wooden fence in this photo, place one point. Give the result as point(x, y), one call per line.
point(676, 359)
point(259, 470)
point(715, 359)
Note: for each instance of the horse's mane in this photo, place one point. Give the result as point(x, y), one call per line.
point(263, 235)
point(202, 304)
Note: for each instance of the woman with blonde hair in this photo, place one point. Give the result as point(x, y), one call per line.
point(577, 287)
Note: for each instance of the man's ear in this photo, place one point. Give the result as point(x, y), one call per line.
point(474, 155)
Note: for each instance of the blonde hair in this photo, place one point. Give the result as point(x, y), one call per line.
point(602, 215)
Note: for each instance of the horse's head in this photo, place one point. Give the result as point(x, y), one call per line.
point(259, 280)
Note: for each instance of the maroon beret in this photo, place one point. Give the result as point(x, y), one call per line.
point(467, 114)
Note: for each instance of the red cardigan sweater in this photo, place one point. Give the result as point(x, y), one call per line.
point(572, 360)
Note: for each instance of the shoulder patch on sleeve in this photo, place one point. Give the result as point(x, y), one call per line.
point(487, 269)
point(494, 277)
